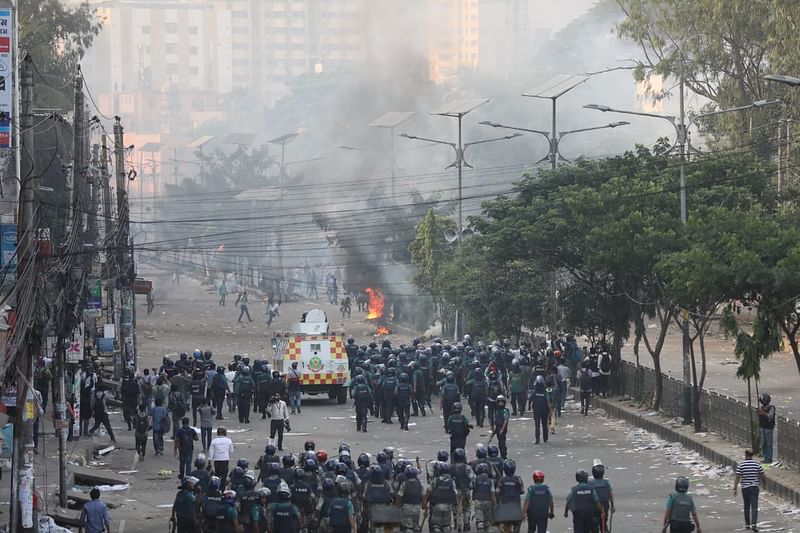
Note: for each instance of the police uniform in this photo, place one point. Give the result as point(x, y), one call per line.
point(442, 501)
point(377, 494)
point(212, 504)
point(458, 428)
point(410, 494)
point(582, 500)
point(247, 501)
point(186, 511)
point(227, 516)
point(603, 489)
point(482, 493)
point(464, 478)
point(339, 512)
point(501, 416)
point(681, 506)
point(509, 489)
point(285, 518)
point(539, 498)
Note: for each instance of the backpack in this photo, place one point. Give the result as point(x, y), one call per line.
point(605, 363)
point(176, 402)
point(142, 425)
point(586, 380)
point(166, 424)
point(186, 438)
point(147, 388)
point(361, 393)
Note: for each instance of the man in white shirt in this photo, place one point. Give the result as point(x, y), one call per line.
point(220, 452)
point(279, 416)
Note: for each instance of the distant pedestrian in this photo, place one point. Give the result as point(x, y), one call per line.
point(219, 454)
point(241, 301)
point(749, 473)
point(766, 421)
point(346, 307)
point(279, 418)
point(141, 425)
point(219, 387)
point(94, 516)
point(223, 293)
point(604, 367)
point(206, 423)
point(88, 382)
point(161, 425)
point(584, 378)
point(101, 412)
point(184, 447)
point(293, 387)
point(681, 509)
point(177, 409)
point(272, 312)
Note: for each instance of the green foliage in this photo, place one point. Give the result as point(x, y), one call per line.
point(429, 251)
point(56, 37)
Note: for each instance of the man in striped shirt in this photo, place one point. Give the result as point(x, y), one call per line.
point(749, 473)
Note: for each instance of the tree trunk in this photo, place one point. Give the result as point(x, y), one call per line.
point(753, 432)
point(659, 383)
point(698, 424)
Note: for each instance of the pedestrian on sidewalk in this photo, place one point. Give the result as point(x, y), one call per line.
point(584, 378)
point(101, 412)
point(206, 423)
point(219, 454)
point(141, 424)
point(223, 293)
point(130, 397)
point(293, 387)
point(241, 301)
point(184, 447)
point(161, 425)
point(766, 421)
point(88, 382)
point(94, 516)
point(749, 473)
point(279, 418)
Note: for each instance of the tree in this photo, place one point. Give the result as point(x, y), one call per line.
point(56, 37)
point(429, 252)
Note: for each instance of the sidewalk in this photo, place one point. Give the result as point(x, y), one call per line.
point(783, 482)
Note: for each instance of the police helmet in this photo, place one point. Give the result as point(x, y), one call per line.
point(360, 379)
point(480, 452)
point(509, 467)
point(322, 456)
point(443, 456)
point(764, 398)
point(189, 482)
point(309, 446)
point(382, 457)
point(459, 455)
point(411, 472)
point(581, 476)
point(363, 460)
point(444, 469)
point(288, 460)
point(311, 464)
point(270, 449)
point(457, 408)
point(250, 475)
point(200, 462)
point(493, 450)
point(450, 377)
point(299, 474)
point(229, 496)
point(538, 476)
point(263, 492)
point(375, 474)
point(500, 399)
point(213, 483)
point(682, 484)
point(283, 490)
point(403, 378)
point(598, 471)
point(482, 468)
point(328, 486)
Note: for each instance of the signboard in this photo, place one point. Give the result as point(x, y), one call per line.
point(6, 76)
point(75, 345)
point(8, 250)
point(94, 301)
point(7, 440)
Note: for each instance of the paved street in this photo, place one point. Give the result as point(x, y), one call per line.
point(641, 468)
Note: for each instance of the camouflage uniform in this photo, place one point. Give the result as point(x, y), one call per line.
point(410, 495)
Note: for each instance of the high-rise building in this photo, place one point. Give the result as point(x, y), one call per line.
point(453, 38)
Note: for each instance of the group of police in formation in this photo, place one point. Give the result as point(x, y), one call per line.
point(310, 491)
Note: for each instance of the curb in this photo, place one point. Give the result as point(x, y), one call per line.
point(786, 489)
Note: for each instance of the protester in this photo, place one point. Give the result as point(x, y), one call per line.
point(206, 423)
point(184, 447)
point(161, 425)
point(141, 424)
point(101, 412)
point(293, 387)
point(241, 301)
point(766, 422)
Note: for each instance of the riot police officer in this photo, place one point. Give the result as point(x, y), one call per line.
point(680, 509)
point(284, 517)
point(509, 490)
point(538, 507)
point(377, 494)
point(477, 390)
point(403, 398)
point(211, 506)
point(458, 427)
point(483, 494)
point(603, 489)
point(584, 504)
point(500, 425)
point(442, 499)
point(409, 498)
point(450, 394)
point(465, 480)
point(184, 509)
point(388, 395)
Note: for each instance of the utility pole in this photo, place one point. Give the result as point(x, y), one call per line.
point(105, 179)
point(23, 516)
point(687, 370)
point(120, 247)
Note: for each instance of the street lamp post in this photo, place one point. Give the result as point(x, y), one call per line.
point(281, 141)
point(390, 121)
point(682, 143)
point(458, 109)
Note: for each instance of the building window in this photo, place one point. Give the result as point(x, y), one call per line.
point(193, 30)
point(146, 30)
point(194, 71)
point(171, 27)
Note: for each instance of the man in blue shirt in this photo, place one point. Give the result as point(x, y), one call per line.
point(95, 517)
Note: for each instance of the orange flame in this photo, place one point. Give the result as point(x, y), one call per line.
point(382, 330)
point(375, 304)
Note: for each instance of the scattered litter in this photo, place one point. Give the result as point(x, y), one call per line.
point(113, 488)
point(164, 505)
point(48, 525)
point(124, 472)
point(104, 451)
point(165, 472)
point(335, 418)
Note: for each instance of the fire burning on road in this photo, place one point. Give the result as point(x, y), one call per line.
point(374, 304)
point(382, 330)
